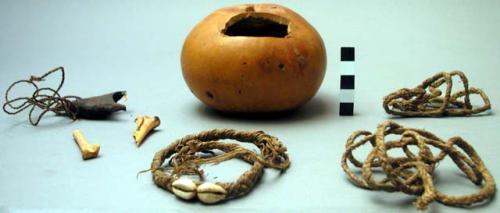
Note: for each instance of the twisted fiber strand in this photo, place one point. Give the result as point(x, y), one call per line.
point(54, 102)
point(427, 100)
point(414, 173)
point(184, 159)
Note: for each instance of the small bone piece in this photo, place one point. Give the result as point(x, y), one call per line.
point(184, 188)
point(88, 150)
point(144, 126)
point(211, 193)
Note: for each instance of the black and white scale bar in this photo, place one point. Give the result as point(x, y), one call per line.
point(347, 80)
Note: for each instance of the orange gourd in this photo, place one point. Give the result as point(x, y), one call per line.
point(254, 58)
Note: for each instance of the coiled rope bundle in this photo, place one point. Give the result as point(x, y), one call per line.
point(414, 173)
point(427, 100)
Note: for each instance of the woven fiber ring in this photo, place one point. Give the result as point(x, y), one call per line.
point(427, 100)
point(189, 153)
point(414, 173)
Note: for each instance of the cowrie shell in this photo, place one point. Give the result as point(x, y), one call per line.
point(184, 188)
point(210, 193)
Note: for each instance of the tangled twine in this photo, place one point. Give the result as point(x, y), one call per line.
point(185, 159)
point(413, 174)
point(47, 99)
point(426, 100)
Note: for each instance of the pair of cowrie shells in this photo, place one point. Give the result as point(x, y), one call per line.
point(207, 192)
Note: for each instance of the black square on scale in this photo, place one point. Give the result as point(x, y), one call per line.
point(347, 53)
point(346, 109)
point(347, 82)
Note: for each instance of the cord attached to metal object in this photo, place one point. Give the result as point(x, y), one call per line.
point(50, 100)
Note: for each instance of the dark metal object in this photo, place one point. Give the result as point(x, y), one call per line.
point(99, 106)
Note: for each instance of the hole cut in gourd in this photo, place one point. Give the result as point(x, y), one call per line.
point(257, 25)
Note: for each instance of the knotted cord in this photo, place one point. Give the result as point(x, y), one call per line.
point(45, 98)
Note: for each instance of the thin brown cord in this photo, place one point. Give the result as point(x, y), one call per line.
point(185, 159)
point(414, 173)
point(53, 101)
point(427, 100)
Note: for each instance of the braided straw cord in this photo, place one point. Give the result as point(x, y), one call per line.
point(427, 100)
point(413, 174)
point(185, 161)
point(53, 101)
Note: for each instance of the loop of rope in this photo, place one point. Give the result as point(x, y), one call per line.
point(414, 173)
point(427, 100)
point(47, 99)
point(185, 158)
